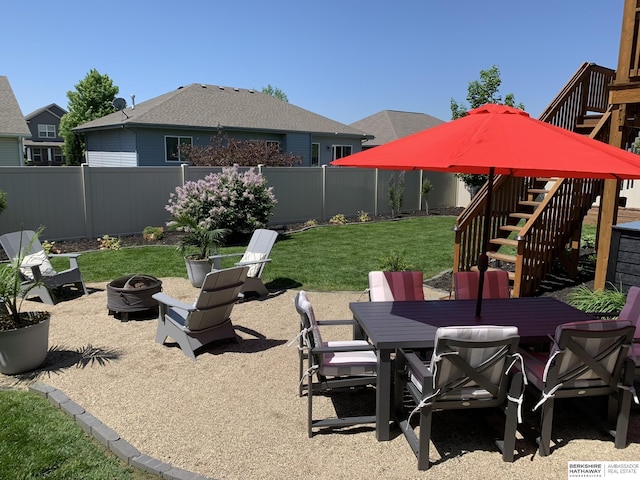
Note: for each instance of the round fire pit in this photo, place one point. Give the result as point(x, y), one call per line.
point(132, 294)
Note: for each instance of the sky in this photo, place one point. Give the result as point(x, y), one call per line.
point(343, 59)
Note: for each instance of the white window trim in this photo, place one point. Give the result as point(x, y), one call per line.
point(45, 130)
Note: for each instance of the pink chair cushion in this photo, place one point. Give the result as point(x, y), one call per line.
point(496, 285)
point(395, 286)
point(631, 310)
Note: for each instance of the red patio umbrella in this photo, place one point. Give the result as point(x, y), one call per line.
point(498, 139)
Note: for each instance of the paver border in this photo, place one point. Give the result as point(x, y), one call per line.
point(110, 438)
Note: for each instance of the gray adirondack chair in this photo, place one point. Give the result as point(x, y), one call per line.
point(256, 256)
point(206, 320)
point(36, 266)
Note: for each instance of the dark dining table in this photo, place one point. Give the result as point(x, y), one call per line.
point(413, 324)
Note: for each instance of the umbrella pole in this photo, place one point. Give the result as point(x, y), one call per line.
point(483, 260)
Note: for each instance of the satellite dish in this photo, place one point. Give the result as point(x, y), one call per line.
point(119, 103)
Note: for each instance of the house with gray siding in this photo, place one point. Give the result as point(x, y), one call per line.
point(45, 146)
point(148, 134)
point(13, 127)
point(389, 125)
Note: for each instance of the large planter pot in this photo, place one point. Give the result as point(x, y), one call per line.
point(197, 270)
point(25, 348)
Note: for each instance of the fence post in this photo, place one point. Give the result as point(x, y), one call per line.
point(375, 193)
point(184, 173)
point(86, 199)
point(324, 192)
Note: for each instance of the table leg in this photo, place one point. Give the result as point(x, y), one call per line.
point(383, 396)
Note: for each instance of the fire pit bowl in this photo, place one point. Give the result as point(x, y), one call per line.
point(132, 294)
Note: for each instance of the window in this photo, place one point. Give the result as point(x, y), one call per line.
point(315, 154)
point(57, 155)
point(171, 147)
point(36, 155)
point(47, 131)
point(340, 151)
point(273, 142)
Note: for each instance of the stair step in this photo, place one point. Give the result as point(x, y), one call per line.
point(526, 216)
point(529, 203)
point(538, 190)
point(547, 179)
point(511, 228)
point(502, 257)
point(512, 275)
point(504, 241)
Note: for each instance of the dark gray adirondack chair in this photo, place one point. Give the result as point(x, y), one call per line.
point(36, 266)
point(471, 367)
point(336, 364)
point(256, 256)
point(587, 359)
point(207, 319)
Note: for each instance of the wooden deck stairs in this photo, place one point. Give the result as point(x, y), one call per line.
point(536, 222)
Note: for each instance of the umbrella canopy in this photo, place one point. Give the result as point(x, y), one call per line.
point(503, 140)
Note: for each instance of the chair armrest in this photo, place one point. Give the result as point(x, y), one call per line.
point(172, 302)
point(416, 364)
point(335, 322)
point(347, 348)
point(252, 262)
point(68, 255)
point(73, 258)
point(225, 255)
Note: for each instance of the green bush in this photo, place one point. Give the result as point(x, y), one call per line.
point(3, 200)
point(395, 261)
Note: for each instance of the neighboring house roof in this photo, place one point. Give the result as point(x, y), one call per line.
point(199, 106)
point(53, 108)
point(389, 125)
point(12, 122)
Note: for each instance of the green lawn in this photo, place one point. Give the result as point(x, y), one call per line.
point(323, 258)
point(39, 441)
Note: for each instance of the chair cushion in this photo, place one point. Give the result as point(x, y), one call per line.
point(631, 309)
point(591, 345)
point(253, 257)
point(398, 286)
point(348, 363)
point(446, 372)
point(42, 260)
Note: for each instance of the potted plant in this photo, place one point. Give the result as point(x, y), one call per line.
point(204, 240)
point(24, 336)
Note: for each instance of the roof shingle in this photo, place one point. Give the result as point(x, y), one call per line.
point(210, 106)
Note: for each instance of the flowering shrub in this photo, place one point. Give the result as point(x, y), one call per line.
point(239, 202)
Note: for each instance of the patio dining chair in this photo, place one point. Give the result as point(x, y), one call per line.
point(631, 312)
point(496, 285)
point(395, 286)
point(587, 359)
point(471, 367)
point(306, 318)
point(336, 365)
point(36, 266)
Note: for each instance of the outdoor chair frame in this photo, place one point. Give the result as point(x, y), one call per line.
point(571, 370)
point(451, 382)
point(331, 376)
point(47, 281)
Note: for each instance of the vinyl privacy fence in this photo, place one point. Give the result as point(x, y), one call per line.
point(87, 202)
